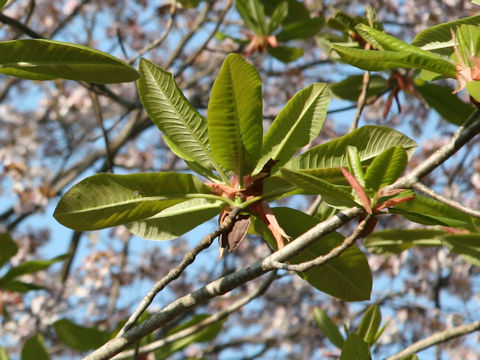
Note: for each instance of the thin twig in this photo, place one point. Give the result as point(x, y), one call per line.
point(17, 25)
point(197, 52)
point(157, 42)
point(203, 324)
point(322, 259)
point(449, 202)
point(437, 338)
point(174, 273)
point(362, 100)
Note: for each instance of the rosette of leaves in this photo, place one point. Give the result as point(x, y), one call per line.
point(274, 24)
point(239, 168)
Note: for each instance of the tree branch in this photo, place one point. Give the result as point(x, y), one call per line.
point(174, 273)
point(203, 324)
point(437, 338)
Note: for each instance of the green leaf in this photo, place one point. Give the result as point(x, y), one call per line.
point(34, 349)
point(350, 88)
point(285, 53)
point(235, 116)
point(370, 324)
point(297, 124)
point(18, 286)
point(328, 327)
point(279, 14)
point(343, 22)
point(2, 4)
point(473, 88)
point(303, 29)
point(3, 352)
point(184, 128)
point(435, 35)
point(9, 248)
point(468, 40)
point(355, 348)
point(410, 357)
point(176, 220)
point(355, 165)
point(386, 168)
point(346, 277)
point(466, 245)
point(372, 60)
point(383, 41)
point(333, 195)
point(78, 337)
point(394, 241)
point(448, 105)
point(370, 141)
point(253, 13)
point(105, 200)
point(426, 211)
point(30, 267)
point(206, 334)
point(39, 59)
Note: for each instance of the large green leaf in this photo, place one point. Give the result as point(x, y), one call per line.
point(468, 41)
point(370, 324)
point(253, 13)
point(328, 327)
point(370, 141)
point(34, 349)
point(394, 241)
point(285, 53)
point(346, 277)
point(235, 116)
point(9, 248)
point(351, 87)
point(303, 29)
point(467, 245)
point(383, 41)
point(334, 195)
point(448, 105)
point(183, 126)
point(279, 14)
point(355, 348)
point(19, 286)
point(105, 200)
point(435, 35)
point(2, 4)
point(206, 334)
point(372, 60)
point(426, 211)
point(386, 168)
point(39, 59)
point(297, 124)
point(78, 337)
point(176, 220)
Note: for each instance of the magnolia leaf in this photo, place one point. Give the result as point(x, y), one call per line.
point(359, 190)
point(441, 99)
point(34, 349)
point(285, 53)
point(3, 354)
point(303, 29)
point(370, 324)
point(466, 245)
point(468, 42)
point(426, 211)
point(78, 337)
point(386, 168)
point(2, 4)
point(18, 286)
point(328, 327)
point(235, 116)
point(176, 220)
point(441, 34)
point(297, 124)
point(355, 165)
point(346, 277)
point(370, 141)
point(105, 200)
point(279, 14)
point(9, 248)
point(334, 195)
point(30, 267)
point(355, 348)
point(394, 241)
point(253, 13)
point(473, 88)
point(351, 87)
point(184, 128)
point(372, 60)
point(39, 59)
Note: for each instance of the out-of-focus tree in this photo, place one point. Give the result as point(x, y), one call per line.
point(240, 133)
